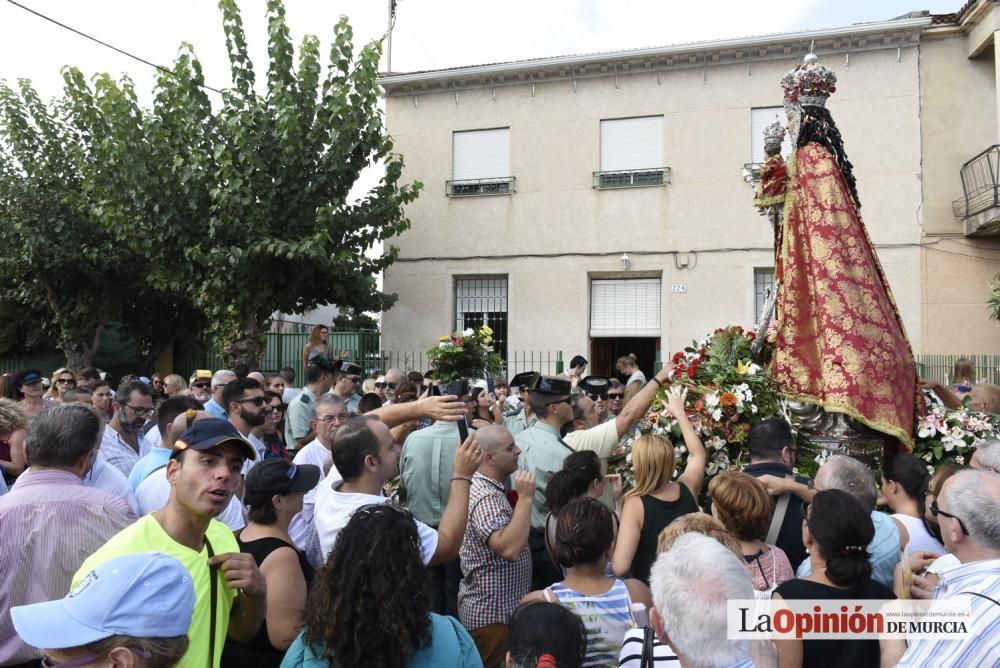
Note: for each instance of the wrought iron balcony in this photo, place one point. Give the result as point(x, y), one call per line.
point(480, 187)
point(632, 178)
point(980, 205)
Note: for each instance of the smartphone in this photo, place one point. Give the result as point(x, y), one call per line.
point(463, 430)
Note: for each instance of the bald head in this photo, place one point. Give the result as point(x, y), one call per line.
point(848, 475)
point(492, 437)
point(256, 375)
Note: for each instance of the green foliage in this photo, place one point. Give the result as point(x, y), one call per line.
point(210, 217)
point(994, 300)
point(347, 318)
point(464, 355)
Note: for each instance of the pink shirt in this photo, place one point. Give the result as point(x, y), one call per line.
point(48, 526)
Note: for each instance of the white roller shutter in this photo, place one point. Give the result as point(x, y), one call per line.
point(760, 118)
point(632, 143)
point(627, 307)
point(481, 154)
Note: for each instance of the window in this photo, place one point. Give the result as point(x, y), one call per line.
point(763, 289)
point(483, 301)
point(631, 153)
point(760, 118)
point(481, 163)
point(625, 307)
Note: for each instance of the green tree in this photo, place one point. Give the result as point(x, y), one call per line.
point(348, 318)
point(994, 300)
point(246, 208)
point(55, 260)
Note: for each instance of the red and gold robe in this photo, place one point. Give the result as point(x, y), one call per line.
point(840, 341)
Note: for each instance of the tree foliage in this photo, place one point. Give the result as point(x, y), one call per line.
point(218, 216)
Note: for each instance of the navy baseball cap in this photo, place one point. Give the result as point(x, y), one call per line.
point(211, 432)
point(27, 377)
point(278, 476)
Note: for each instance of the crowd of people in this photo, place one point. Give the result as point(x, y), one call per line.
point(234, 518)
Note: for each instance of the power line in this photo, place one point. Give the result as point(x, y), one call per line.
point(105, 44)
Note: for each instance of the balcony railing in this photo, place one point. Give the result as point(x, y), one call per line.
point(632, 178)
point(480, 187)
point(980, 184)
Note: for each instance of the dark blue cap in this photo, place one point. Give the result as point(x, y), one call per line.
point(210, 432)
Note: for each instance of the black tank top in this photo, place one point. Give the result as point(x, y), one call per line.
point(656, 515)
point(259, 652)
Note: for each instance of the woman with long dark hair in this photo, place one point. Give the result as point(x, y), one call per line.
point(904, 489)
point(836, 529)
point(370, 603)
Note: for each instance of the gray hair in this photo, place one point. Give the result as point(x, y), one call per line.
point(988, 455)
point(974, 496)
point(849, 475)
point(691, 584)
point(327, 399)
point(222, 377)
point(125, 391)
point(60, 436)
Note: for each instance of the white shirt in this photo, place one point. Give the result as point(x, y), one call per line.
point(303, 527)
point(637, 375)
point(107, 478)
point(151, 439)
point(117, 452)
point(289, 394)
point(259, 446)
point(334, 510)
point(154, 492)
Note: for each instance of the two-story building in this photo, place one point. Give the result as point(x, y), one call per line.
point(596, 204)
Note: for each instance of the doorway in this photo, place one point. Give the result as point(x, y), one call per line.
point(605, 351)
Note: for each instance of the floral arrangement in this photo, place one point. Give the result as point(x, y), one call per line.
point(465, 354)
point(951, 435)
point(727, 394)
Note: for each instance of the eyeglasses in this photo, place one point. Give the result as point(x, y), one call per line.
point(140, 410)
point(935, 511)
point(200, 386)
point(327, 419)
point(256, 401)
point(65, 381)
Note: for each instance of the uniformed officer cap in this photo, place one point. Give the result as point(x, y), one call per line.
point(350, 369)
point(524, 380)
point(595, 385)
point(552, 385)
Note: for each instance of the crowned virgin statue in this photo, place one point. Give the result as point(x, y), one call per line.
point(838, 339)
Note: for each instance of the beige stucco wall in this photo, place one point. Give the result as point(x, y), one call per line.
point(705, 209)
point(959, 120)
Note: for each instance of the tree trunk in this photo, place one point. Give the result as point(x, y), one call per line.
point(248, 349)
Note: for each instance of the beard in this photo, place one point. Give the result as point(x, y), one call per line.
point(254, 420)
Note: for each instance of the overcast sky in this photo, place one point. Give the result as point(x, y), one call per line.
point(428, 33)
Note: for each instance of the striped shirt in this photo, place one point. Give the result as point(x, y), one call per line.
point(492, 587)
point(631, 656)
point(981, 649)
point(117, 452)
point(49, 524)
point(607, 618)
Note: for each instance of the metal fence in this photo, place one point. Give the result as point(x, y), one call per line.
point(548, 362)
point(939, 367)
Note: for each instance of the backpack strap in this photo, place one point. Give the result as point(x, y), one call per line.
point(779, 515)
point(213, 576)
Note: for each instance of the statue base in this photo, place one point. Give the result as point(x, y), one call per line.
point(838, 434)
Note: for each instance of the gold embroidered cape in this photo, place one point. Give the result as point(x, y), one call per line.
point(840, 341)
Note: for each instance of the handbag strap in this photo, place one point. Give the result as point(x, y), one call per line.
point(213, 577)
point(647, 659)
point(779, 516)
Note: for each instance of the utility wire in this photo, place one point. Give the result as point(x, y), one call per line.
point(105, 44)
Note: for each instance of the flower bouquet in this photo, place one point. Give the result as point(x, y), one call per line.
point(466, 354)
point(727, 394)
point(951, 435)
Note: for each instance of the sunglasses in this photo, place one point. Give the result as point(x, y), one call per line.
point(66, 381)
point(201, 386)
point(615, 396)
point(595, 397)
point(935, 511)
point(256, 401)
point(277, 409)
